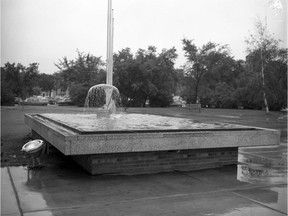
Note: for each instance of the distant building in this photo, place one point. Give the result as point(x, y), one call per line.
point(54, 93)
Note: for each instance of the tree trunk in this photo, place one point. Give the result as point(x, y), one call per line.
point(144, 102)
point(263, 83)
point(196, 93)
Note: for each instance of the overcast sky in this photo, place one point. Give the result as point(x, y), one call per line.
point(44, 31)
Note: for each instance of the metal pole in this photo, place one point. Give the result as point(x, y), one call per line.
point(109, 48)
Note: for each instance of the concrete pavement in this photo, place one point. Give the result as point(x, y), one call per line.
point(257, 186)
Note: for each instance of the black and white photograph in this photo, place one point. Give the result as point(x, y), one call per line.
point(144, 108)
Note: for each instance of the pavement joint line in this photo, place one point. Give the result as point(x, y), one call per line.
point(260, 203)
point(15, 192)
point(183, 173)
point(150, 198)
point(125, 201)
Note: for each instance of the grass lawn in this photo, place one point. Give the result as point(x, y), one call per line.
point(14, 132)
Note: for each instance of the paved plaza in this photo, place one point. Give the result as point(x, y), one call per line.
point(256, 186)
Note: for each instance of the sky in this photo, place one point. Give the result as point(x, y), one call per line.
point(45, 31)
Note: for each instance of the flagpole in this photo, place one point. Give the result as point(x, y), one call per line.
point(109, 68)
point(112, 43)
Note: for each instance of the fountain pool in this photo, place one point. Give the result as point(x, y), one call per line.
point(140, 123)
point(141, 143)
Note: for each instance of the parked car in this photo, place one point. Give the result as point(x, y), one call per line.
point(65, 102)
point(34, 101)
point(51, 101)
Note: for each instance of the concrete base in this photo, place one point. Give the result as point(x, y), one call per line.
point(157, 161)
point(154, 151)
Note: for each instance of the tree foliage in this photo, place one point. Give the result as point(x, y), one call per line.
point(263, 50)
point(86, 68)
point(78, 93)
point(18, 81)
point(210, 76)
point(79, 75)
point(46, 82)
point(208, 71)
point(147, 76)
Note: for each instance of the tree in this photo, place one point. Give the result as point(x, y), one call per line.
point(277, 81)
point(47, 82)
point(180, 81)
point(78, 93)
point(30, 78)
point(59, 82)
point(147, 76)
point(224, 96)
point(126, 72)
point(80, 74)
point(200, 61)
point(248, 90)
point(7, 96)
point(86, 68)
point(262, 49)
point(21, 80)
point(12, 78)
point(164, 78)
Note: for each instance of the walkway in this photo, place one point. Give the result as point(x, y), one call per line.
point(257, 186)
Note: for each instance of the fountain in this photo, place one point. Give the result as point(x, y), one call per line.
point(121, 143)
point(102, 140)
point(102, 99)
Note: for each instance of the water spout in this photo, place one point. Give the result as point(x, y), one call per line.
point(104, 97)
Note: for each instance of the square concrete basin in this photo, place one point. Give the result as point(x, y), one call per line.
point(86, 136)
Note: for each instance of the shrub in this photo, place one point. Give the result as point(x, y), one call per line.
point(161, 99)
point(78, 93)
point(7, 96)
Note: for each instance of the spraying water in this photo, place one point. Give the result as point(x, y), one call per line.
point(105, 97)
